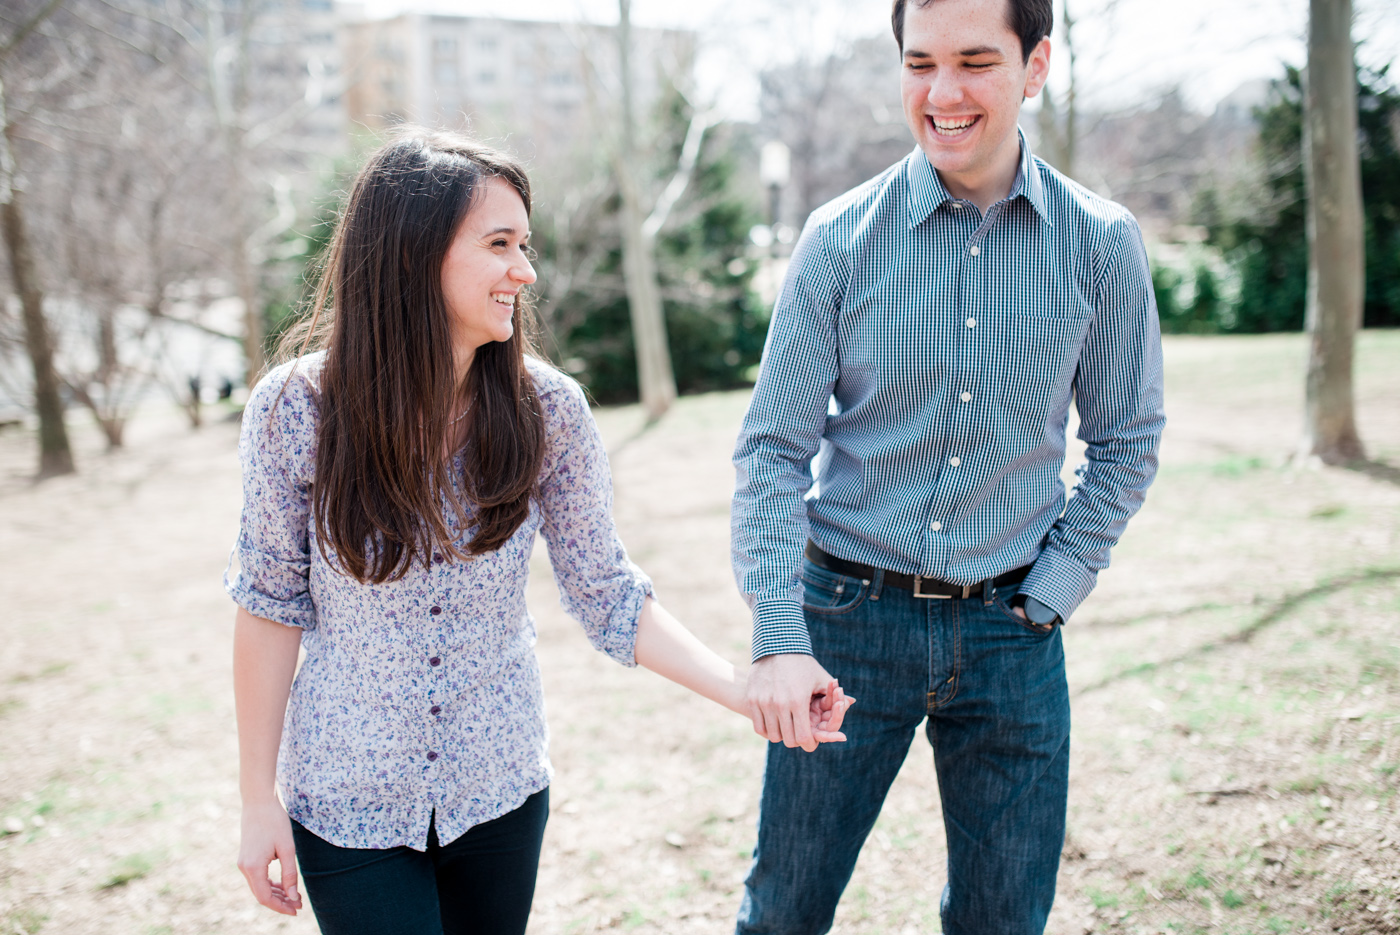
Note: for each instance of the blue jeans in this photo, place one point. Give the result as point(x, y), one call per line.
point(993, 689)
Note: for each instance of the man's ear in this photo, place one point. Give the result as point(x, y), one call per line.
point(1037, 67)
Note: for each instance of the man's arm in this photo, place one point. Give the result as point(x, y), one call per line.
point(1118, 393)
point(781, 434)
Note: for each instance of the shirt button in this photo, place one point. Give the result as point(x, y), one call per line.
point(435, 710)
point(435, 661)
point(955, 461)
point(974, 250)
point(437, 557)
point(972, 323)
point(935, 525)
point(435, 610)
point(966, 396)
point(432, 755)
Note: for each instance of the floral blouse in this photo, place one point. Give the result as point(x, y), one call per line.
point(422, 695)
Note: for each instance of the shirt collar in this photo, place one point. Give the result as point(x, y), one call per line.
point(926, 191)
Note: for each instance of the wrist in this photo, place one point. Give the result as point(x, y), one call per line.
point(263, 798)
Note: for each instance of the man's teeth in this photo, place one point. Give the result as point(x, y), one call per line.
point(953, 127)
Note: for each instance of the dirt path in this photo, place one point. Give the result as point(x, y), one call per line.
point(1237, 676)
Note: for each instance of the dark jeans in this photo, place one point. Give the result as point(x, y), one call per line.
point(482, 883)
point(993, 690)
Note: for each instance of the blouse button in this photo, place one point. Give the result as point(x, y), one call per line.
point(435, 661)
point(432, 755)
point(435, 610)
point(435, 710)
point(437, 557)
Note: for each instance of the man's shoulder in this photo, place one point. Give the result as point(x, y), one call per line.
point(1068, 201)
point(851, 207)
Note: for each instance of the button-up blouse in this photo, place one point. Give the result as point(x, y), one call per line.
point(421, 696)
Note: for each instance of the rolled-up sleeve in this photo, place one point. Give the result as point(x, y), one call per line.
point(598, 584)
point(268, 573)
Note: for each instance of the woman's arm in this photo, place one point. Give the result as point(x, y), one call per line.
point(667, 648)
point(264, 661)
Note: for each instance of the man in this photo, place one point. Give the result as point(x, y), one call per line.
point(951, 307)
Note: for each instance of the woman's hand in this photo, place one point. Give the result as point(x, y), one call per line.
point(827, 711)
point(267, 836)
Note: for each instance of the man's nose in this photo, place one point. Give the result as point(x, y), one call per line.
point(944, 89)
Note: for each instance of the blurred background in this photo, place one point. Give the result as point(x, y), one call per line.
point(180, 165)
point(170, 171)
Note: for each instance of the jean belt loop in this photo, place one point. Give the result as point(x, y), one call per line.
point(877, 584)
point(989, 591)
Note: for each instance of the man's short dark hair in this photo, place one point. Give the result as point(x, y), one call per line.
point(1031, 20)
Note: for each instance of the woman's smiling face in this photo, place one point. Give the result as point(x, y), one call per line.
point(485, 268)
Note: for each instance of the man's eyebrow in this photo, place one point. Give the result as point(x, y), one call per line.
point(965, 53)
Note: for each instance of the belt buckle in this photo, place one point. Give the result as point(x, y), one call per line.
point(918, 580)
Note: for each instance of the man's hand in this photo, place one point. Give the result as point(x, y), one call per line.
point(783, 703)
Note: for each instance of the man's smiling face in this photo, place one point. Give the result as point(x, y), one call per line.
point(963, 79)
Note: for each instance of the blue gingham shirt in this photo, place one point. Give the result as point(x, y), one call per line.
point(931, 353)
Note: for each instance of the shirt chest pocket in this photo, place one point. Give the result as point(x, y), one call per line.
point(1035, 357)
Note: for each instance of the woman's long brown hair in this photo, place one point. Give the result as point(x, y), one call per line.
point(388, 400)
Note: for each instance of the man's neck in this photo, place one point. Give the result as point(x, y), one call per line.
point(987, 187)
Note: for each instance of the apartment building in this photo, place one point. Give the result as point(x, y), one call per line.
point(501, 78)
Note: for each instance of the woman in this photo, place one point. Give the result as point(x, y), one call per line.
point(394, 483)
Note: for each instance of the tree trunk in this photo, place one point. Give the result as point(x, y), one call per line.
point(55, 455)
point(655, 378)
point(1336, 250)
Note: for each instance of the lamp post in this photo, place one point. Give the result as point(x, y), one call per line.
point(774, 171)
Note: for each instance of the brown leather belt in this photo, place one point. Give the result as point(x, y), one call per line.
point(921, 586)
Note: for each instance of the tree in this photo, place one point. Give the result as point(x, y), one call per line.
point(1336, 245)
point(840, 117)
point(714, 325)
point(1259, 221)
point(655, 376)
point(55, 454)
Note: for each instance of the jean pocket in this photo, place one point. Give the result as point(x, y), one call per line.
point(1005, 609)
point(826, 592)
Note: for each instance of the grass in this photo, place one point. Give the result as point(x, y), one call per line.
point(128, 868)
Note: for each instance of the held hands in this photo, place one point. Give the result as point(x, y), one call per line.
point(267, 836)
point(794, 701)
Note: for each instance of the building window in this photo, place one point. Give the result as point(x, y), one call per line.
point(445, 73)
point(486, 77)
point(444, 47)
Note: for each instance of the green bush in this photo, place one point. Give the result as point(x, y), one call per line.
point(1262, 230)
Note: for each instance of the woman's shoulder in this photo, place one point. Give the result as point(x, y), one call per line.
point(549, 380)
point(288, 392)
